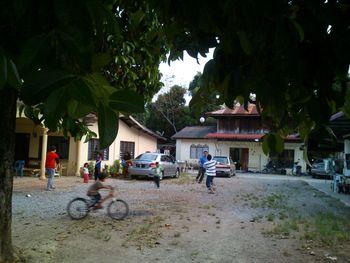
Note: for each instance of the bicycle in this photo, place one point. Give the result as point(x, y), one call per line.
point(80, 207)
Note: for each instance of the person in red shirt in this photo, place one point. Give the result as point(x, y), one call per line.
point(50, 165)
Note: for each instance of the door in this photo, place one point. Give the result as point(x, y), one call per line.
point(240, 157)
point(244, 158)
point(22, 147)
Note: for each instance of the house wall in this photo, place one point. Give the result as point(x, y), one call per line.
point(346, 169)
point(257, 158)
point(143, 142)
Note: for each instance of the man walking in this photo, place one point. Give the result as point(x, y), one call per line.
point(201, 169)
point(210, 171)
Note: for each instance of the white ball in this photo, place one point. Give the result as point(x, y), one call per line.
point(202, 119)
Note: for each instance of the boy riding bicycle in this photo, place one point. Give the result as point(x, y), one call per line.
point(93, 191)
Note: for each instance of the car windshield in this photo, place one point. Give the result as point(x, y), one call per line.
point(147, 157)
point(221, 159)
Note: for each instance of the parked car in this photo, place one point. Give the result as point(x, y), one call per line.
point(143, 165)
point(225, 166)
point(318, 169)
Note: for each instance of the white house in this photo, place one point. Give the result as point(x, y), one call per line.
point(32, 143)
point(237, 134)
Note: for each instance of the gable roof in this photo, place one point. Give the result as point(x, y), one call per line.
point(128, 120)
point(131, 122)
point(194, 132)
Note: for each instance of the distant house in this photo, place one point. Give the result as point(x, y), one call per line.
point(238, 134)
point(32, 143)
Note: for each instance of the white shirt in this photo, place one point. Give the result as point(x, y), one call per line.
point(210, 168)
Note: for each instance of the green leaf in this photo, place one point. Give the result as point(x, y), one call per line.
point(54, 108)
point(245, 43)
point(13, 78)
point(3, 69)
point(299, 29)
point(39, 84)
point(127, 101)
point(272, 142)
point(100, 60)
point(77, 110)
point(34, 52)
point(107, 126)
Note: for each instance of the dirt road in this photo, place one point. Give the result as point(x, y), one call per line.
point(248, 220)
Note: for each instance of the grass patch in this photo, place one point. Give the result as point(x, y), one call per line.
point(205, 206)
point(284, 228)
point(328, 229)
point(184, 178)
point(325, 229)
point(270, 217)
point(146, 234)
point(275, 201)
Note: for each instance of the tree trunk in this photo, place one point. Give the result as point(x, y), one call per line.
point(8, 104)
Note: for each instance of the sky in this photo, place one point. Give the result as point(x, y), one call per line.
point(181, 72)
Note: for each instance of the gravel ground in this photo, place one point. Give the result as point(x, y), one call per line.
point(180, 222)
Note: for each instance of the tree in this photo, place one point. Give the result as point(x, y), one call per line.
point(210, 100)
point(169, 113)
point(293, 55)
point(67, 58)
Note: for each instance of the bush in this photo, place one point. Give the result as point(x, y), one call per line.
point(114, 169)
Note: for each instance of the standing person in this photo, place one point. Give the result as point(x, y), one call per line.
point(97, 166)
point(201, 170)
point(50, 165)
point(19, 165)
point(157, 171)
point(86, 172)
point(210, 171)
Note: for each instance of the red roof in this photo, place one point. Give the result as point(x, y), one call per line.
point(244, 137)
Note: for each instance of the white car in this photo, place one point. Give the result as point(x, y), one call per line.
point(224, 166)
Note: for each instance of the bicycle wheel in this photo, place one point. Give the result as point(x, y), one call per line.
point(118, 209)
point(78, 208)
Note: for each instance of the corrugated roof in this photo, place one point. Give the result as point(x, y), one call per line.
point(238, 110)
point(131, 122)
point(194, 132)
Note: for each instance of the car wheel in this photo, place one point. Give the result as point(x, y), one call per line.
point(177, 174)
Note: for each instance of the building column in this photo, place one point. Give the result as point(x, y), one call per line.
point(43, 155)
point(78, 158)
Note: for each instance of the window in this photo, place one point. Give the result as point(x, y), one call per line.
point(127, 147)
point(94, 147)
point(196, 151)
point(61, 143)
point(284, 159)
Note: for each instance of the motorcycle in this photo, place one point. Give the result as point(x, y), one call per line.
point(296, 170)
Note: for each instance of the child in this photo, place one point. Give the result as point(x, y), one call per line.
point(157, 171)
point(95, 187)
point(86, 172)
point(210, 171)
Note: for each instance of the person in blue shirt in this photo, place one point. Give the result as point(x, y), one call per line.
point(19, 165)
point(98, 166)
point(201, 170)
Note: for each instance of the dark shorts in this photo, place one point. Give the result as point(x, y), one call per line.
point(95, 198)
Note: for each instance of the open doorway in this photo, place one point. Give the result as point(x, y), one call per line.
point(241, 157)
point(22, 147)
